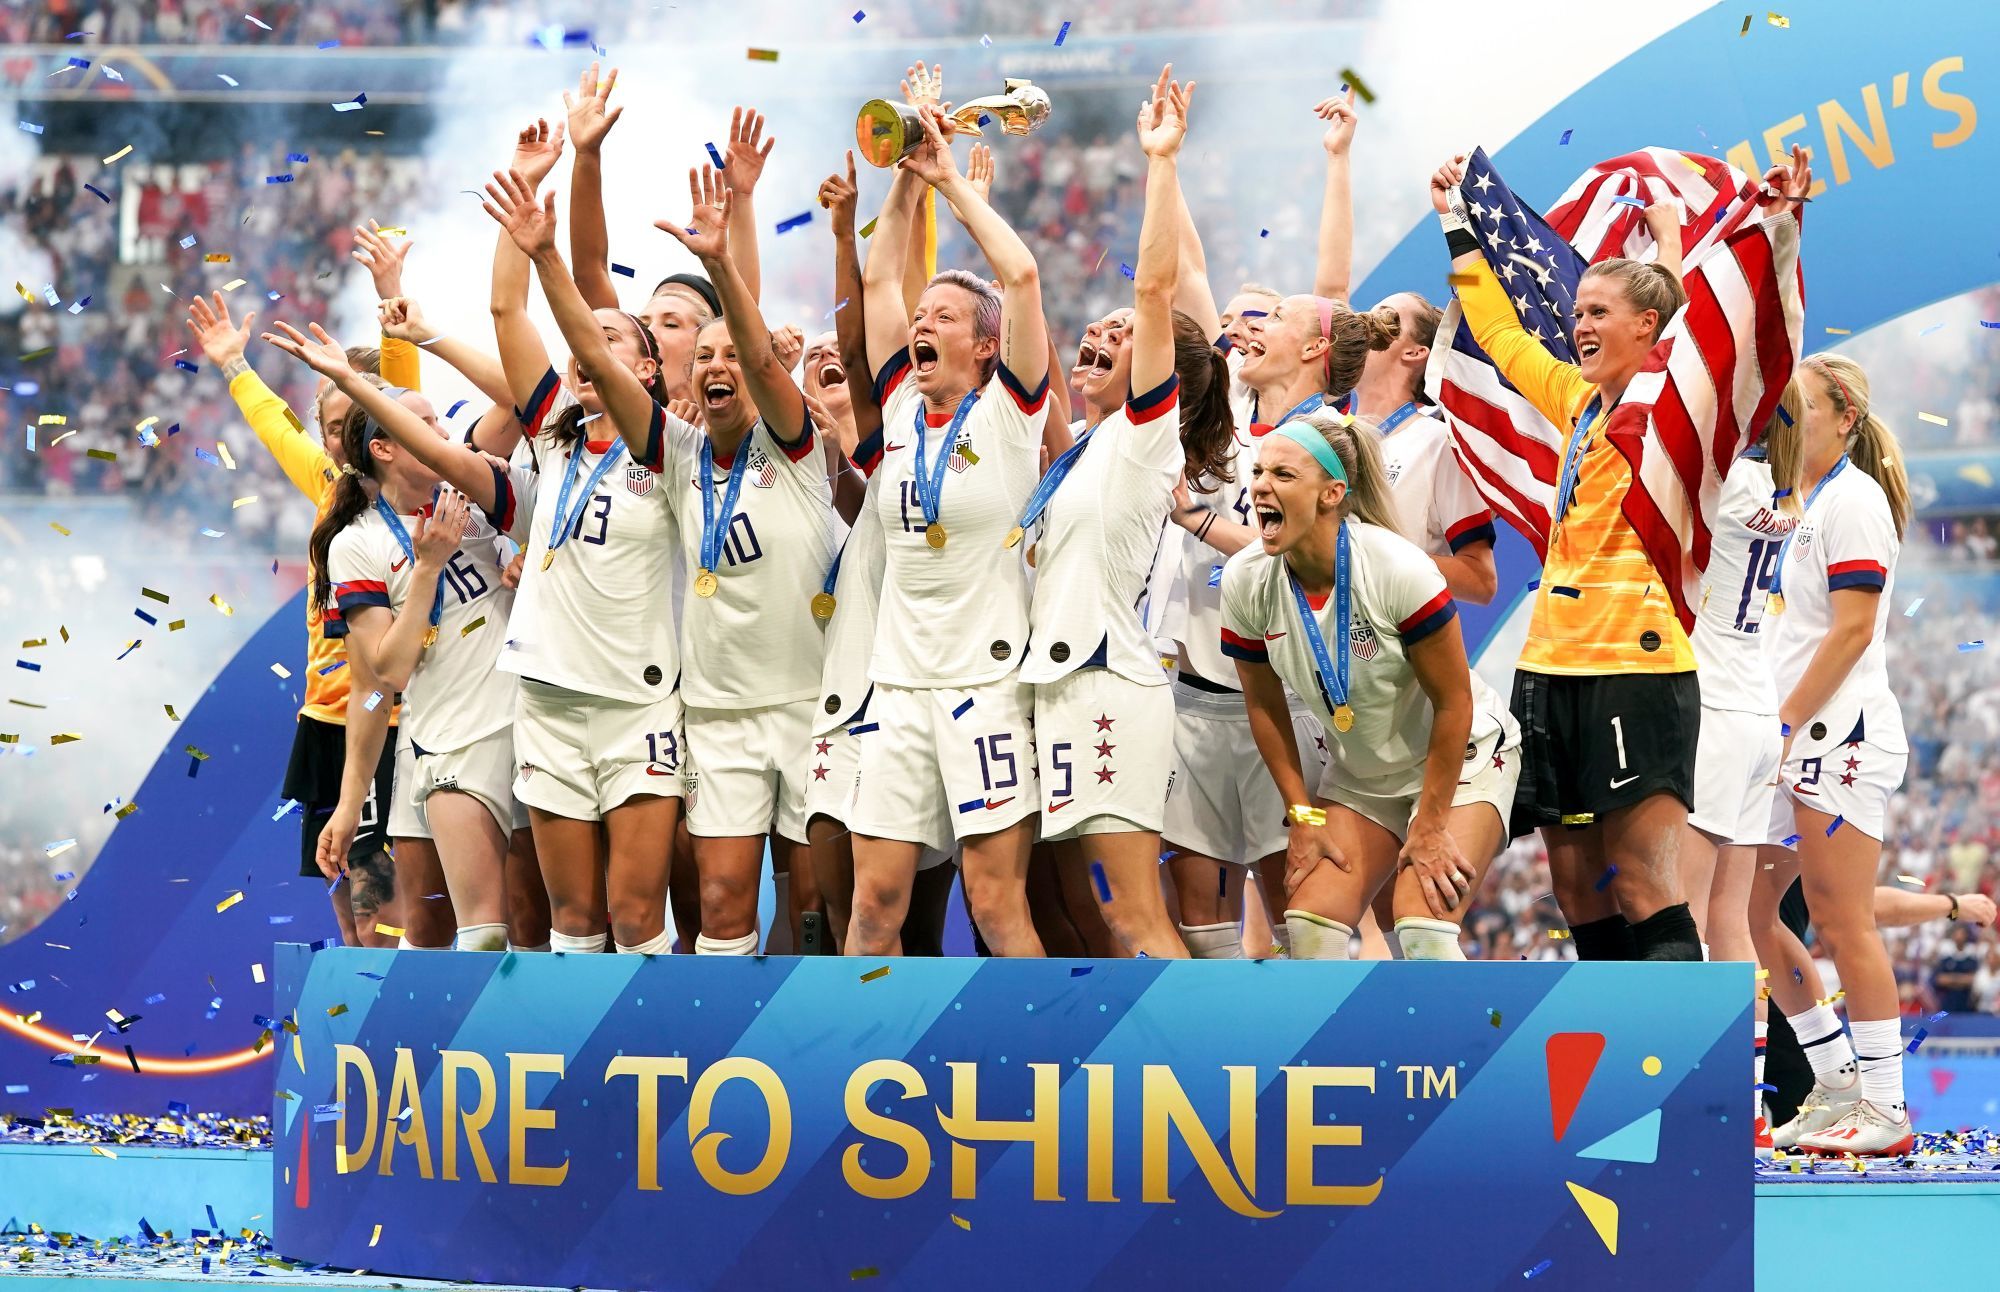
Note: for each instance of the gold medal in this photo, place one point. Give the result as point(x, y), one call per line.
point(431, 636)
point(1775, 603)
point(1014, 536)
point(935, 536)
point(1032, 549)
point(1343, 718)
point(822, 606)
point(705, 583)
point(548, 559)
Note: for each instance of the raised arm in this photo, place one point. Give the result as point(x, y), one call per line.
point(300, 456)
point(850, 328)
point(921, 85)
point(1024, 337)
point(779, 402)
point(523, 357)
point(748, 151)
point(885, 319)
point(455, 464)
point(1334, 275)
point(590, 119)
point(403, 319)
point(1162, 127)
point(385, 259)
point(533, 227)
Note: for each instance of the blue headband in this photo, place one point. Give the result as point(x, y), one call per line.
point(1307, 437)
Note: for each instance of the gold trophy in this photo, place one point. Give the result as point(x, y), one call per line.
point(887, 131)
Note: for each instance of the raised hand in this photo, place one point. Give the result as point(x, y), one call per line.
point(979, 171)
point(686, 410)
point(923, 88)
point(748, 149)
point(1788, 185)
point(932, 161)
point(1338, 113)
point(589, 121)
point(512, 206)
point(787, 344)
point(706, 232)
point(1163, 118)
point(1446, 178)
point(838, 196)
point(383, 258)
point(536, 151)
point(320, 352)
point(437, 535)
point(221, 340)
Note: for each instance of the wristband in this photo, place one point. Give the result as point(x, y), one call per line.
point(1954, 908)
point(1454, 218)
point(1457, 242)
point(1306, 814)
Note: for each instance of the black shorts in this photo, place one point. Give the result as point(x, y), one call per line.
point(1590, 745)
point(313, 778)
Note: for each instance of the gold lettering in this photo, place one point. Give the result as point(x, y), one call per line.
point(1303, 1134)
point(1443, 1082)
point(476, 1117)
point(1043, 1130)
point(1781, 152)
point(521, 1119)
point(1944, 101)
point(707, 1148)
point(1743, 159)
point(647, 1069)
point(1876, 146)
point(405, 1093)
point(345, 1057)
point(1162, 1101)
point(916, 1148)
point(1100, 1154)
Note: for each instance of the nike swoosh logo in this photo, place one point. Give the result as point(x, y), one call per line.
point(653, 770)
point(397, 565)
point(1271, 637)
point(1621, 784)
point(1054, 807)
point(998, 803)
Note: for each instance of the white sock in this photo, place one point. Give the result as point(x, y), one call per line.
point(1878, 1050)
point(481, 937)
point(1314, 937)
point(515, 946)
point(1761, 1034)
point(743, 946)
point(1704, 952)
point(1427, 939)
point(404, 944)
point(660, 944)
point(560, 941)
point(1826, 1046)
point(1213, 941)
point(1281, 938)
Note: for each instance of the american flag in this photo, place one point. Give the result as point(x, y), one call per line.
point(1705, 390)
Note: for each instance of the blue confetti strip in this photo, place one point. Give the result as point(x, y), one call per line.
point(1097, 867)
point(1968, 647)
point(1798, 975)
point(453, 410)
point(1604, 880)
point(31, 127)
point(962, 709)
point(1916, 1040)
point(300, 158)
point(29, 665)
point(786, 226)
point(358, 102)
point(1062, 35)
point(185, 366)
point(859, 14)
point(329, 44)
point(187, 242)
point(100, 192)
point(1078, 971)
point(1565, 138)
point(1911, 611)
point(79, 62)
point(1837, 823)
point(1765, 1086)
point(1539, 1269)
point(715, 156)
point(1263, 233)
point(148, 618)
point(281, 813)
point(625, 270)
point(1126, 270)
point(1623, 200)
point(837, 309)
point(1571, 593)
point(277, 179)
point(1984, 323)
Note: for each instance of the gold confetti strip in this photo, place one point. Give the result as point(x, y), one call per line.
point(873, 974)
point(262, 1041)
point(58, 529)
point(1777, 20)
point(65, 738)
point(28, 704)
point(233, 284)
point(1748, 18)
point(281, 670)
point(102, 1151)
point(293, 418)
point(215, 599)
point(199, 756)
point(1463, 280)
point(388, 931)
point(160, 597)
point(335, 1011)
point(65, 633)
point(52, 419)
point(26, 295)
point(375, 1237)
point(398, 232)
point(764, 55)
point(10, 737)
point(229, 901)
point(1902, 879)
point(1558, 934)
point(1933, 419)
point(1839, 331)
point(866, 230)
point(60, 438)
point(244, 502)
point(257, 973)
point(475, 624)
point(217, 257)
point(126, 811)
point(34, 642)
point(176, 625)
point(1361, 89)
point(222, 451)
point(102, 455)
point(120, 153)
point(961, 1221)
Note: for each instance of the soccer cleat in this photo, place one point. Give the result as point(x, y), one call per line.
point(1761, 1138)
point(1817, 1111)
point(1864, 1130)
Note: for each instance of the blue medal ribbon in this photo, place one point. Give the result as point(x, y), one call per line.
point(395, 524)
point(1310, 404)
point(930, 478)
point(713, 531)
point(565, 518)
point(833, 571)
point(1045, 488)
point(1785, 548)
point(1573, 462)
point(1331, 676)
point(1401, 415)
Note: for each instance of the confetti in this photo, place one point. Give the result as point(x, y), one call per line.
point(243, 502)
point(1910, 612)
point(355, 104)
point(1539, 1269)
point(859, 14)
point(1839, 331)
point(1916, 1040)
point(1966, 648)
point(1777, 20)
point(335, 1011)
point(1837, 821)
point(59, 529)
point(1127, 270)
point(961, 1221)
point(65, 738)
point(226, 79)
point(31, 127)
point(215, 599)
point(197, 754)
point(1565, 138)
point(259, 21)
point(1062, 35)
point(1463, 280)
point(376, 1237)
point(277, 179)
point(468, 630)
point(1787, 842)
point(257, 973)
point(786, 226)
point(1360, 86)
point(217, 258)
point(120, 153)
point(388, 931)
point(1933, 419)
point(374, 698)
point(57, 849)
point(1103, 883)
point(229, 901)
point(1748, 18)
point(281, 670)
point(1624, 200)
point(121, 814)
point(714, 156)
point(869, 1271)
point(763, 55)
point(625, 270)
point(1558, 934)
point(1493, 1017)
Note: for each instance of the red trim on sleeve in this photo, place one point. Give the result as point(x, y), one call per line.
point(1245, 648)
point(1029, 402)
point(1477, 528)
point(1856, 574)
point(890, 378)
point(1428, 618)
point(1154, 402)
point(539, 403)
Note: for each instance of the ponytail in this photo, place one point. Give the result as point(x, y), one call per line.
point(1208, 424)
point(1871, 445)
point(1781, 444)
point(1424, 320)
point(1355, 443)
point(350, 499)
point(1350, 337)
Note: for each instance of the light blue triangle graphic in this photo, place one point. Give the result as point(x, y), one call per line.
point(1637, 1142)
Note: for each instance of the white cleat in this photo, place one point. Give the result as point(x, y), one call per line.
point(1819, 1110)
point(1864, 1130)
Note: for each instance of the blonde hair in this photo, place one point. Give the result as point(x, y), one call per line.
point(1781, 441)
point(1258, 289)
point(1871, 445)
point(1645, 286)
point(1355, 441)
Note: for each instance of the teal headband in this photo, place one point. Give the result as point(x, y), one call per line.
point(1307, 437)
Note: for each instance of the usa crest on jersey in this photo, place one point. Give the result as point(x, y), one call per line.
point(1362, 641)
point(763, 471)
point(638, 480)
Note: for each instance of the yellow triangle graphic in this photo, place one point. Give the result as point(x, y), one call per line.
point(1600, 1211)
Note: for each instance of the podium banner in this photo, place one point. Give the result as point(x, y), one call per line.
point(684, 1122)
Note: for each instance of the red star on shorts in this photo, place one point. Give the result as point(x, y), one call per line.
point(1499, 762)
point(1319, 738)
point(1853, 763)
point(1104, 749)
point(1104, 723)
point(1104, 774)
point(1847, 778)
point(819, 773)
point(822, 746)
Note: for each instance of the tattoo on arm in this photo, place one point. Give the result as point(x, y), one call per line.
point(235, 367)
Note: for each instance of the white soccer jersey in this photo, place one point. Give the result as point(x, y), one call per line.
point(1436, 505)
point(1749, 533)
point(1398, 598)
point(1199, 624)
point(1242, 399)
point(850, 634)
point(1100, 532)
point(1846, 540)
point(599, 619)
point(755, 642)
point(957, 614)
point(454, 696)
